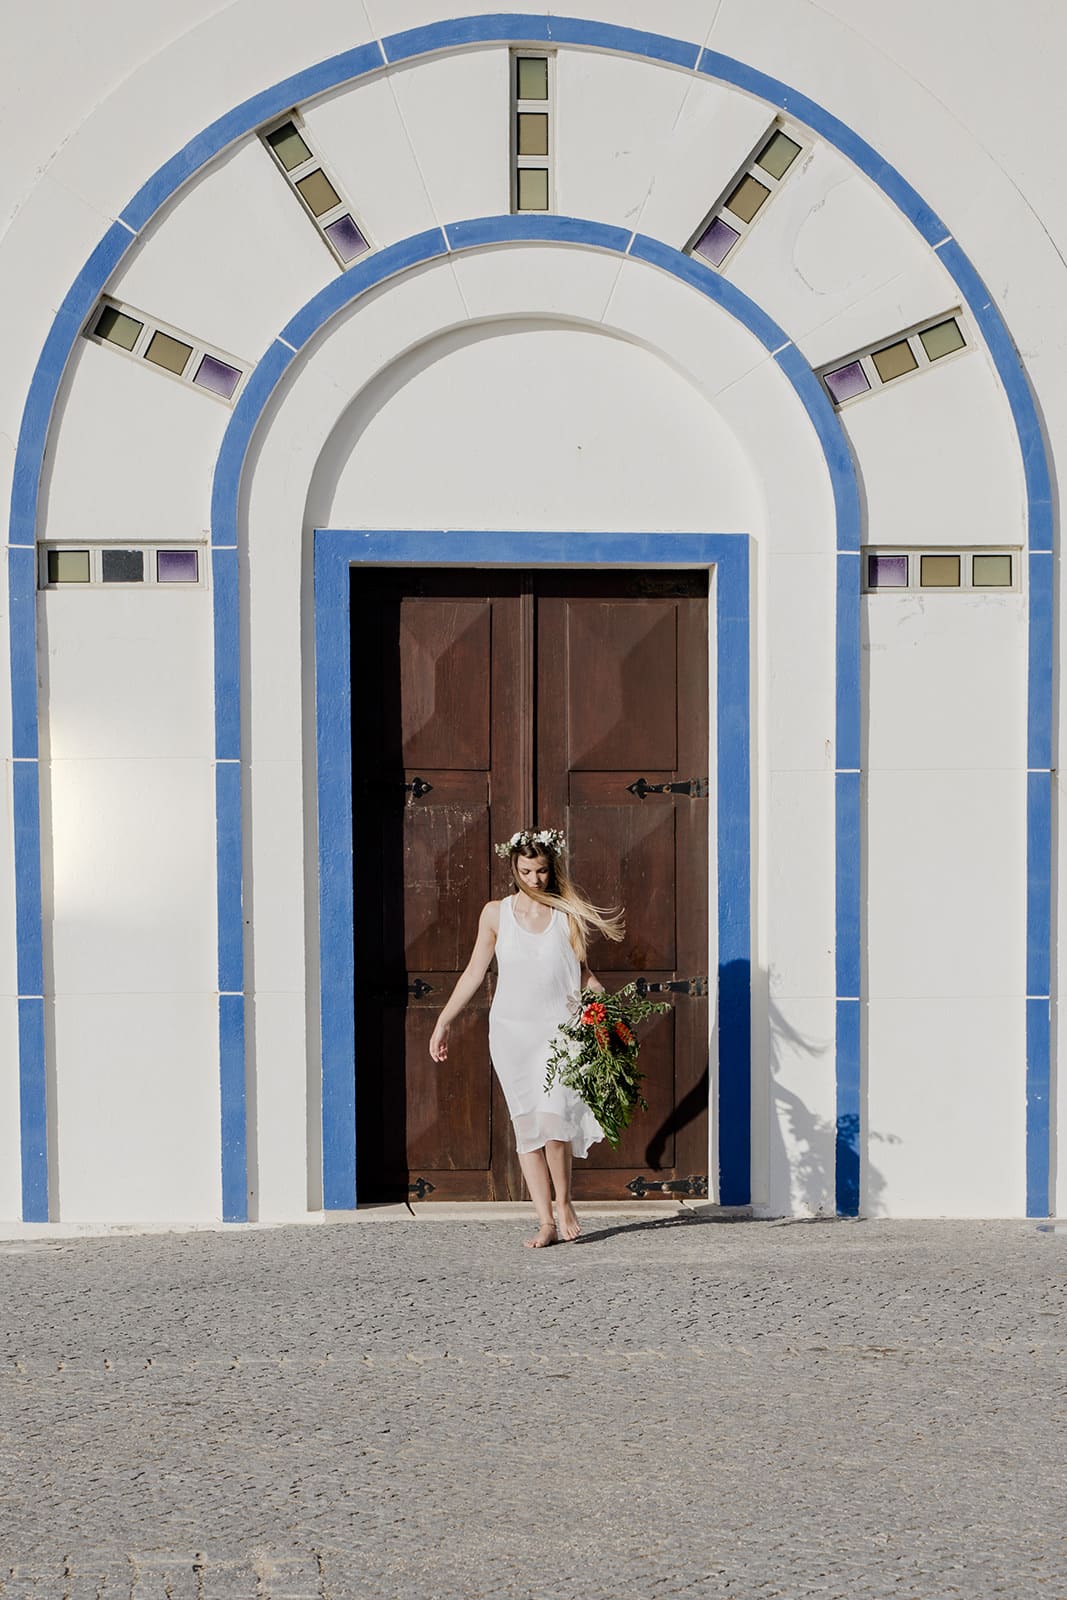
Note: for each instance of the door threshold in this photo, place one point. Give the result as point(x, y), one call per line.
point(522, 1211)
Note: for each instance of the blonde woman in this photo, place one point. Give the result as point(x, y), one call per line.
point(539, 935)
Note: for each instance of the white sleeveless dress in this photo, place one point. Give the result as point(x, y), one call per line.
point(537, 989)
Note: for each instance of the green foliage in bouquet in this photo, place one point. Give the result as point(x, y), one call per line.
point(595, 1054)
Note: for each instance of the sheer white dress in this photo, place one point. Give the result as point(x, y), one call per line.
point(537, 988)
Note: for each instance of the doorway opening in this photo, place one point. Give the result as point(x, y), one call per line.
point(485, 701)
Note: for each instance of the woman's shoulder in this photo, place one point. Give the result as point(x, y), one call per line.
point(490, 915)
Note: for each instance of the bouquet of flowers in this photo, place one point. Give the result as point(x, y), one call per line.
point(595, 1054)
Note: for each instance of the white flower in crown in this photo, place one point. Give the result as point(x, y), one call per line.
point(548, 838)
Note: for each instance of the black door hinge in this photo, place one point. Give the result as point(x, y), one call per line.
point(695, 788)
point(695, 1187)
point(691, 986)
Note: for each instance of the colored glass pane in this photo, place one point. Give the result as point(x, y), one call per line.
point(939, 572)
point(122, 566)
point(176, 566)
point(847, 381)
point(887, 572)
point(68, 566)
point(218, 376)
point(532, 189)
point(319, 192)
point(533, 133)
point(169, 353)
point(747, 198)
point(117, 328)
point(532, 78)
point(288, 146)
point(778, 154)
point(991, 572)
point(716, 241)
point(894, 360)
point(942, 339)
point(346, 238)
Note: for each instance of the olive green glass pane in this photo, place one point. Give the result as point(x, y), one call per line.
point(747, 198)
point(319, 192)
point(532, 189)
point(778, 154)
point(991, 572)
point(168, 352)
point(942, 340)
point(68, 566)
point(532, 78)
point(894, 360)
point(939, 572)
point(117, 328)
point(533, 133)
point(288, 146)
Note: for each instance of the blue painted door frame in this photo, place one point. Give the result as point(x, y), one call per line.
point(726, 556)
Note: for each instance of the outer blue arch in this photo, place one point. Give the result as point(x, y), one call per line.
point(511, 27)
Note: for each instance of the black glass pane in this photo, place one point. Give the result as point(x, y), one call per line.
point(122, 566)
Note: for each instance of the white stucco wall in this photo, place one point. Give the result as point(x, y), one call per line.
point(652, 372)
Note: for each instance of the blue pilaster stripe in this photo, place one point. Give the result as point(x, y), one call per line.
point(231, 996)
point(1038, 1131)
point(848, 1140)
point(22, 645)
point(233, 1107)
point(454, 33)
point(1040, 644)
point(33, 1100)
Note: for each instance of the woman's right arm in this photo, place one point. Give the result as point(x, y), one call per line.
point(470, 979)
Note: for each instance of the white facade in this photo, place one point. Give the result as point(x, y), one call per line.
point(568, 384)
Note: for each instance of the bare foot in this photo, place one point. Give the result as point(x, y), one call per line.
point(569, 1226)
point(546, 1235)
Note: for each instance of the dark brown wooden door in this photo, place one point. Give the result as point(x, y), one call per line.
point(483, 701)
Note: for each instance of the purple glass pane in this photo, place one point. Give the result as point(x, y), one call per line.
point(346, 238)
point(217, 376)
point(847, 381)
point(176, 566)
point(887, 572)
point(716, 241)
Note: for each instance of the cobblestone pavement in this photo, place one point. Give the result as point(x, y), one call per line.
point(677, 1407)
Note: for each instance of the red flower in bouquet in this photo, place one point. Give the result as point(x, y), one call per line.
point(593, 1014)
point(624, 1033)
point(600, 1034)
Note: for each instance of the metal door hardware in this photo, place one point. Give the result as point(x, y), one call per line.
point(418, 787)
point(695, 1187)
point(421, 1188)
point(692, 986)
point(695, 788)
point(396, 991)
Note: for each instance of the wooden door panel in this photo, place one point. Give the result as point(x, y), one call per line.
point(446, 851)
point(444, 1106)
point(627, 852)
point(444, 682)
point(621, 684)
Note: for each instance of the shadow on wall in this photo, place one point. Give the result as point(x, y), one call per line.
point(802, 1143)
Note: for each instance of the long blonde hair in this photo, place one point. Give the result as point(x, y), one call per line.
point(583, 917)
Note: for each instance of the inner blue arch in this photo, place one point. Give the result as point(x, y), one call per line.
point(350, 66)
point(732, 630)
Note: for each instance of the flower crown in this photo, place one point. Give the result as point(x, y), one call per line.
point(550, 839)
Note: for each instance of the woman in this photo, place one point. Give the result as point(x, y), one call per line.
point(539, 935)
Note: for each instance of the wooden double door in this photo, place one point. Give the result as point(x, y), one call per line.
point(483, 702)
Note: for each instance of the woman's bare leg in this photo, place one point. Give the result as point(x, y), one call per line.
point(535, 1171)
point(558, 1155)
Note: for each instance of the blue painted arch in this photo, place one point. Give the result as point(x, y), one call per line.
point(348, 67)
